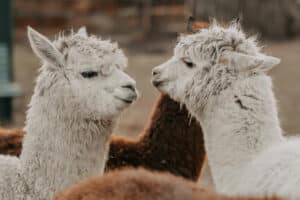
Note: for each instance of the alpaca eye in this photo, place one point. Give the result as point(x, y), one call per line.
point(188, 63)
point(89, 74)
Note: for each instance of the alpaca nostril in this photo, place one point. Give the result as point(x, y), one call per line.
point(155, 72)
point(131, 87)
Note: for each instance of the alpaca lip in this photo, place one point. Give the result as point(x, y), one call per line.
point(128, 101)
point(158, 83)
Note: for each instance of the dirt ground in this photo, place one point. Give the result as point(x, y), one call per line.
point(143, 59)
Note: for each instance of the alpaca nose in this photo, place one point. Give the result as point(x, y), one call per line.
point(155, 71)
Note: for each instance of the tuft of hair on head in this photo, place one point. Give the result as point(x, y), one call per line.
point(241, 61)
point(237, 23)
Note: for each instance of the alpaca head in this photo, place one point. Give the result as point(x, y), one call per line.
point(209, 61)
point(82, 75)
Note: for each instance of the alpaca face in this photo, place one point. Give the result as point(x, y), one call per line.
point(84, 74)
point(207, 62)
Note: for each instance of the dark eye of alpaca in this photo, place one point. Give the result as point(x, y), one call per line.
point(188, 63)
point(89, 74)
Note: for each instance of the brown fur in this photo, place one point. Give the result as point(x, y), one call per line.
point(140, 184)
point(171, 142)
point(194, 26)
point(197, 25)
point(11, 141)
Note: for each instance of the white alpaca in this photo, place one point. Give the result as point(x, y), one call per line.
point(79, 94)
point(219, 74)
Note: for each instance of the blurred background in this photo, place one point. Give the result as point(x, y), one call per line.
point(147, 31)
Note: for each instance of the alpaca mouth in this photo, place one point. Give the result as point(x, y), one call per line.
point(127, 101)
point(158, 83)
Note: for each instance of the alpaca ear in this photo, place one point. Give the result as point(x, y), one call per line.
point(82, 31)
point(243, 62)
point(44, 49)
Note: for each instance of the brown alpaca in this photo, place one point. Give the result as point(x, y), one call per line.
point(137, 184)
point(169, 143)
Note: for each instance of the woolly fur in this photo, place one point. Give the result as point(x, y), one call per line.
point(140, 184)
point(220, 75)
point(70, 118)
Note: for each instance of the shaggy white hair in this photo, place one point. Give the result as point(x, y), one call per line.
point(79, 94)
point(219, 73)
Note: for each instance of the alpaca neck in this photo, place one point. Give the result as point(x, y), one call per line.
point(173, 134)
point(60, 149)
point(238, 123)
point(167, 115)
point(161, 119)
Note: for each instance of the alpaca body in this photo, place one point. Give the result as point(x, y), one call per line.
point(57, 156)
point(12, 184)
point(141, 184)
point(71, 116)
point(235, 133)
point(275, 171)
point(219, 73)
